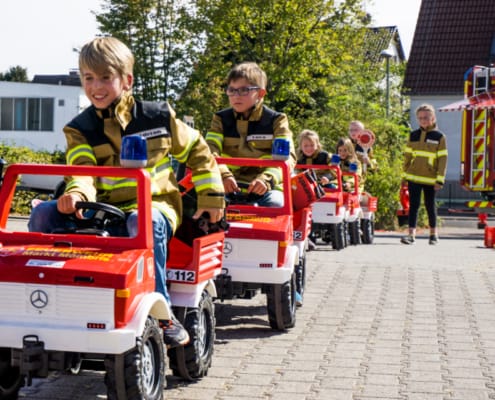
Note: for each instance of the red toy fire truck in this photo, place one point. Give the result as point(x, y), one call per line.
point(67, 297)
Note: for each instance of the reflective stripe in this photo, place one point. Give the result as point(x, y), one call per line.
point(276, 173)
point(216, 138)
point(193, 138)
point(442, 153)
point(428, 154)
point(207, 181)
point(83, 150)
point(441, 179)
point(111, 183)
point(420, 179)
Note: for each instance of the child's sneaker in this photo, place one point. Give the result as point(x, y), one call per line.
point(433, 239)
point(409, 239)
point(174, 334)
point(299, 299)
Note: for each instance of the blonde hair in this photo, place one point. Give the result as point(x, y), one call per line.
point(347, 143)
point(307, 134)
point(106, 54)
point(249, 71)
point(426, 107)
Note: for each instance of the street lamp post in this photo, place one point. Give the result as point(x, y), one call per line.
point(387, 54)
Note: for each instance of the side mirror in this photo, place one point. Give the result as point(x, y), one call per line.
point(133, 152)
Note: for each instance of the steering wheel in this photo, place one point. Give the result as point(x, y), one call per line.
point(95, 223)
point(243, 197)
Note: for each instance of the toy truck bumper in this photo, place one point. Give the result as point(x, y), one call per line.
point(114, 341)
point(328, 213)
point(259, 270)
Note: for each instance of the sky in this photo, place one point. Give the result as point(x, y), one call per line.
point(41, 35)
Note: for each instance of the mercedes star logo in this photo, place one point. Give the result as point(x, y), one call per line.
point(39, 299)
point(227, 248)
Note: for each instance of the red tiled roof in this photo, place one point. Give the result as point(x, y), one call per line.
point(451, 36)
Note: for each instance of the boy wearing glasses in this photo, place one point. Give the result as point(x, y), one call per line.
point(248, 129)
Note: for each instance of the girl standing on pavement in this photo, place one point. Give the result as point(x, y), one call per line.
point(425, 165)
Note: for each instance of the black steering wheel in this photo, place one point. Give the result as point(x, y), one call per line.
point(95, 223)
point(243, 197)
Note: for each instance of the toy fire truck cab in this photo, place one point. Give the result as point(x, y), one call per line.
point(76, 295)
point(329, 212)
point(259, 252)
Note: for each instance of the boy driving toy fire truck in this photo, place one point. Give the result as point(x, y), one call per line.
point(94, 139)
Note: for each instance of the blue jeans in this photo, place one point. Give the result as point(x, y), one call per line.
point(45, 218)
point(272, 198)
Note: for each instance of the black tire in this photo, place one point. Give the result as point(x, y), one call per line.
point(327, 234)
point(11, 380)
point(281, 304)
point(338, 236)
point(301, 274)
point(368, 229)
point(193, 360)
point(354, 233)
point(138, 374)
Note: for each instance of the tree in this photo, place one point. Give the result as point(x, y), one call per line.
point(313, 52)
point(156, 32)
point(15, 74)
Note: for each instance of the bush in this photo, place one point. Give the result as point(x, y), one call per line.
point(21, 204)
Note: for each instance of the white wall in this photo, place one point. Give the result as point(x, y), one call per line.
point(74, 102)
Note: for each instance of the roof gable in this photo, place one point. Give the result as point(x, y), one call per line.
point(381, 38)
point(450, 37)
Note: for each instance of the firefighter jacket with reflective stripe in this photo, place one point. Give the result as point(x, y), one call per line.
point(231, 135)
point(345, 166)
point(94, 138)
point(425, 157)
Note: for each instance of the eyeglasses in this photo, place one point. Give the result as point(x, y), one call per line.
point(242, 91)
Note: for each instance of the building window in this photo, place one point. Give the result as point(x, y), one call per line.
point(26, 114)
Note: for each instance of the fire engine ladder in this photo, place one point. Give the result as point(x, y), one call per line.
point(479, 135)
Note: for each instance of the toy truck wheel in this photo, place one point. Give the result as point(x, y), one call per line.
point(301, 274)
point(354, 233)
point(140, 373)
point(193, 360)
point(281, 304)
point(338, 236)
point(11, 380)
point(368, 228)
point(327, 235)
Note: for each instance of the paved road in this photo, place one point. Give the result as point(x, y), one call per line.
point(381, 321)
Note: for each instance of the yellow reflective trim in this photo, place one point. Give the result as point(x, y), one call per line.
point(193, 138)
point(420, 179)
point(83, 150)
point(215, 138)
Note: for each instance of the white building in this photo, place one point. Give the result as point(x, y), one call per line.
point(33, 114)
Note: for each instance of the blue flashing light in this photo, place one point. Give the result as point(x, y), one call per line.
point(133, 152)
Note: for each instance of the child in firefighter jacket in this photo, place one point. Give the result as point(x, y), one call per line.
point(310, 152)
point(94, 138)
point(425, 166)
point(248, 129)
